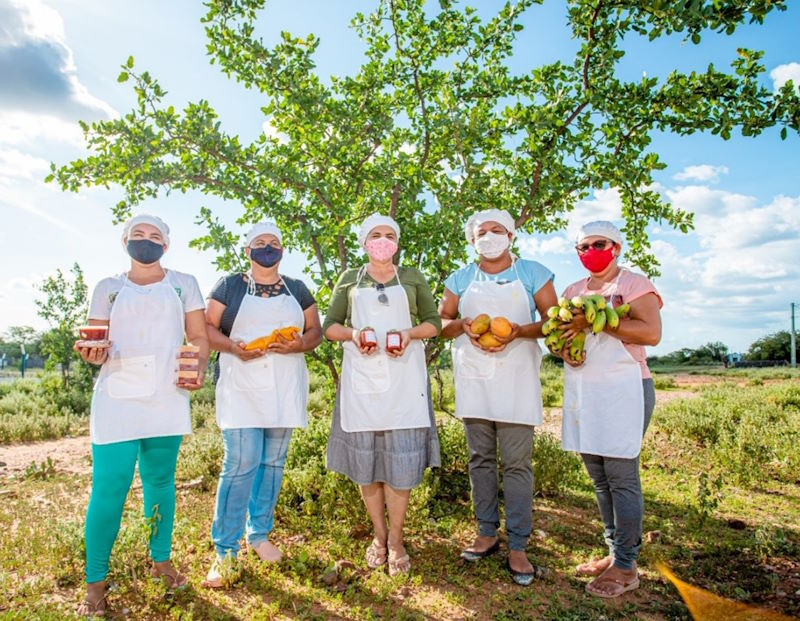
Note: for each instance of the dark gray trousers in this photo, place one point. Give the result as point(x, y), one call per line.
point(619, 494)
point(516, 445)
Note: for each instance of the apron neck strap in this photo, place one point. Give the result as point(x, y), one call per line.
point(251, 283)
point(363, 270)
point(484, 276)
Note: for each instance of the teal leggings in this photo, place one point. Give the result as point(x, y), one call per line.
point(112, 473)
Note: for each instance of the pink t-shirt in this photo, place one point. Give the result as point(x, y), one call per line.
point(629, 286)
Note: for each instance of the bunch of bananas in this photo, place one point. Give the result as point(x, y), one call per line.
point(598, 313)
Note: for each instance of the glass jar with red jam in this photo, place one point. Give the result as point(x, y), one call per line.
point(368, 337)
point(394, 341)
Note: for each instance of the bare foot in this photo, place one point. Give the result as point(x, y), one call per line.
point(613, 582)
point(518, 561)
point(168, 575)
point(594, 567)
point(266, 551)
point(95, 603)
point(481, 544)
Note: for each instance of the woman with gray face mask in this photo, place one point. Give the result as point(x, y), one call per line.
point(496, 369)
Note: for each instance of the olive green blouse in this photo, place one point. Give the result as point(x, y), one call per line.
point(421, 305)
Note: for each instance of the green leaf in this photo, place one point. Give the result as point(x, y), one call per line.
point(123, 77)
point(130, 62)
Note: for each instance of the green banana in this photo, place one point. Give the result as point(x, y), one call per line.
point(599, 301)
point(565, 315)
point(589, 310)
point(552, 312)
point(553, 337)
point(577, 302)
point(576, 347)
point(549, 325)
point(612, 319)
point(599, 323)
point(623, 309)
point(563, 302)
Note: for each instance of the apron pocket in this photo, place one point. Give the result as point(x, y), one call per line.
point(471, 364)
point(258, 374)
point(369, 374)
point(132, 378)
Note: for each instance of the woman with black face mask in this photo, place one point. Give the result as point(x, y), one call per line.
point(261, 391)
point(138, 412)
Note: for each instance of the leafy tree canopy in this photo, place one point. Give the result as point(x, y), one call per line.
point(434, 125)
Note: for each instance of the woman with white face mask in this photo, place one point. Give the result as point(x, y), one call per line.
point(608, 401)
point(383, 434)
point(498, 393)
point(261, 393)
point(138, 412)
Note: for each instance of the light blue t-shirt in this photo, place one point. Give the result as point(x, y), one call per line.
point(533, 275)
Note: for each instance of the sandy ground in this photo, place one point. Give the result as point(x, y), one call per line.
point(72, 455)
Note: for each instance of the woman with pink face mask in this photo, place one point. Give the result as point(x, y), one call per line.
point(608, 401)
point(383, 434)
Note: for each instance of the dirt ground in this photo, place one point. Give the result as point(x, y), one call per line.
point(72, 455)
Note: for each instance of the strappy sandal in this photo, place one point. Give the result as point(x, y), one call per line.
point(375, 555)
point(620, 586)
point(88, 608)
point(399, 564)
point(171, 579)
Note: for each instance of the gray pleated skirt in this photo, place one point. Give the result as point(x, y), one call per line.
point(397, 458)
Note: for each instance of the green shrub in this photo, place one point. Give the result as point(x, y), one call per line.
point(552, 378)
point(201, 457)
point(664, 382)
point(749, 432)
point(554, 469)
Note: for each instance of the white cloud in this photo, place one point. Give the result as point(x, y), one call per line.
point(17, 165)
point(38, 67)
point(701, 172)
point(605, 205)
point(26, 129)
point(552, 245)
point(783, 73)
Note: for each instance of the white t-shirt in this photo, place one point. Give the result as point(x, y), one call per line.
point(106, 291)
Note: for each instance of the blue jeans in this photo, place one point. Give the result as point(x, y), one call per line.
point(249, 483)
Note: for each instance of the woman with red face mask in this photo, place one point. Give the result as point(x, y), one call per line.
point(608, 401)
point(383, 434)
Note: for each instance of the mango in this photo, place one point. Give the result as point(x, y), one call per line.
point(288, 332)
point(261, 342)
point(480, 324)
point(488, 340)
point(500, 326)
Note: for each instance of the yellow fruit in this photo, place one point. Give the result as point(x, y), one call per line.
point(480, 324)
point(260, 343)
point(488, 340)
point(288, 332)
point(501, 327)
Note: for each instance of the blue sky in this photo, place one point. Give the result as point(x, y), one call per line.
point(730, 280)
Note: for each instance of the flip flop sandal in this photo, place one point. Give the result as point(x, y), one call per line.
point(624, 587)
point(171, 580)
point(472, 556)
point(214, 578)
point(375, 555)
point(589, 568)
point(526, 578)
point(399, 565)
point(88, 608)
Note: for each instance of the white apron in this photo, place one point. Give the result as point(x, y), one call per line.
point(502, 386)
point(269, 391)
point(380, 393)
point(603, 400)
point(135, 395)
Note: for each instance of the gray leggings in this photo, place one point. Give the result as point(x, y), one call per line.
point(619, 494)
point(516, 445)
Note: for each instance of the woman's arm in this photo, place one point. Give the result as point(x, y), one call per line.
point(220, 342)
point(94, 355)
point(544, 298)
point(196, 334)
point(643, 324)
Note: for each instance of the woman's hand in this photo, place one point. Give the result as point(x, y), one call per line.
point(466, 327)
point(92, 355)
point(238, 350)
point(405, 339)
point(196, 384)
point(578, 324)
point(514, 334)
point(283, 345)
point(568, 359)
point(366, 350)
